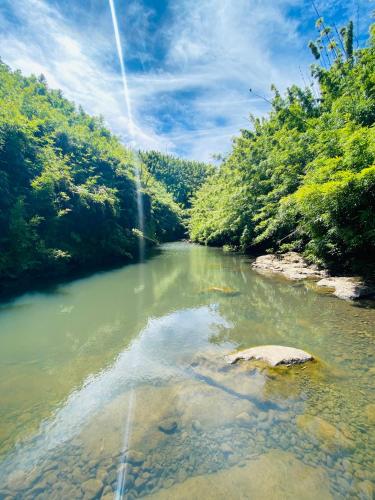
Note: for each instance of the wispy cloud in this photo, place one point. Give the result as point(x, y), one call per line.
point(189, 67)
point(43, 41)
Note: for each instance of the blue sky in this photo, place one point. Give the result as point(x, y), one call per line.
point(189, 63)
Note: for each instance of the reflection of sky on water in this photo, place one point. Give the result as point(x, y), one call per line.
point(159, 352)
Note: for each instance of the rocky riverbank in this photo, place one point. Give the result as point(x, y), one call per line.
point(294, 267)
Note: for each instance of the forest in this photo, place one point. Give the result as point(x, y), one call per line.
point(182, 178)
point(303, 178)
point(67, 186)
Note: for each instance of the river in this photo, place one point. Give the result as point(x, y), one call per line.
point(115, 385)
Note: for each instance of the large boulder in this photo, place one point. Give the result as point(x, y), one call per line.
point(273, 355)
point(291, 265)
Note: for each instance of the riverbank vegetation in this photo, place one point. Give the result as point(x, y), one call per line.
point(67, 186)
point(303, 178)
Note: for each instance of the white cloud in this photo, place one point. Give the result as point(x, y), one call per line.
point(190, 99)
point(44, 42)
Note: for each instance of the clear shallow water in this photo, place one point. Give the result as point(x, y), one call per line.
point(115, 385)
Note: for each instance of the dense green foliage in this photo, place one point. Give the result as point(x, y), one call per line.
point(304, 177)
point(181, 178)
point(67, 187)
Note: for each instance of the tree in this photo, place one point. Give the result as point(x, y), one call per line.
point(303, 177)
point(348, 40)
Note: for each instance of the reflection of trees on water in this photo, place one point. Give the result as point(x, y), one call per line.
point(272, 311)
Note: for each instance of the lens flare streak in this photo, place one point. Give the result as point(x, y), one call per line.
point(122, 472)
point(122, 67)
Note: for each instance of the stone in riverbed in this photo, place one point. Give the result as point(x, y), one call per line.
point(223, 290)
point(108, 496)
point(20, 479)
point(197, 426)
point(226, 449)
point(271, 354)
point(135, 457)
point(168, 426)
point(92, 487)
point(366, 489)
point(347, 288)
point(277, 475)
point(244, 418)
point(330, 438)
point(139, 483)
point(107, 493)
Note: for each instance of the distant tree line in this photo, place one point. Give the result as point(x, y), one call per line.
point(181, 178)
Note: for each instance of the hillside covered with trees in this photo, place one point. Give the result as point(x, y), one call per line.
point(303, 178)
point(181, 178)
point(67, 186)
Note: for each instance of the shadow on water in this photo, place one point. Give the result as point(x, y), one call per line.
point(53, 284)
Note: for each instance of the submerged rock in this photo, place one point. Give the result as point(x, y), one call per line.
point(135, 457)
point(238, 381)
point(366, 490)
point(92, 487)
point(223, 290)
point(244, 418)
point(291, 264)
point(196, 425)
point(168, 426)
point(226, 449)
point(271, 354)
point(347, 288)
point(320, 430)
point(277, 474)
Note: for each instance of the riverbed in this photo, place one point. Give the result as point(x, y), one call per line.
point(115, 385)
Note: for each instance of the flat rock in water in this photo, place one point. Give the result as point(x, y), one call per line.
point(348, 288)
point(291, 264)
point(271, 354)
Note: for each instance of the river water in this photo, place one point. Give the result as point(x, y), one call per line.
point(115, 386)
